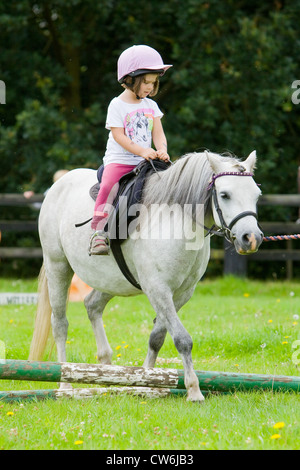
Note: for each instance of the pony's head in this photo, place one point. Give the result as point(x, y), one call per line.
point(234, 201)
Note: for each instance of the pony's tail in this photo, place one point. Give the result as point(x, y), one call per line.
point(42, 320)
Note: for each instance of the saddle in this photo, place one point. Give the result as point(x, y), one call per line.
point(130, 191)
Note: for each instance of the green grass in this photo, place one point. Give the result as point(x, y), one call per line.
point(236, 325)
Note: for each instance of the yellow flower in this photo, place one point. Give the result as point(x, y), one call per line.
point(275, 436)
point(11, 321)
point(10, 413)
point(118, 347)
point(279, 425)
point(77, 443)
point(270, 321)
point(285, 342)
point(246, 294)
point(118, 355)
point(126, 346)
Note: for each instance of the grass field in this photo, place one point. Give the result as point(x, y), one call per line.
point(236, 325)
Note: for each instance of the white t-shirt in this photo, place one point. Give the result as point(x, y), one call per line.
point(137, 120)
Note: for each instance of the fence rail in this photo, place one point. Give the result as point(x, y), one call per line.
point(233, 263)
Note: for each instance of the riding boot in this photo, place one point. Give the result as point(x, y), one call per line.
point(99, 243)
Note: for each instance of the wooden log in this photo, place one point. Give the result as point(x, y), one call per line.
point(141, 377)
point(280, 200)
point(16, 199)
point(19, 225)
point(12, 252)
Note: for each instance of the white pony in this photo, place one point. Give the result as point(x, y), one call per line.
point(166, 267)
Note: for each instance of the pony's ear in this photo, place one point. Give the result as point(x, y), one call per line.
point(214, 161)
point(250, 162)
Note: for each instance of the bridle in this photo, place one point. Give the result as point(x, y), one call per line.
point(225, 230)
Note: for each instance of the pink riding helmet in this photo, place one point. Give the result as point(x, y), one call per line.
point(138, 60)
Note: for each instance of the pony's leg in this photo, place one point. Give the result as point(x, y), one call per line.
point(156, 340)
point(168, 320)
point(59, 275)
point(159, 331)
point(95, 303)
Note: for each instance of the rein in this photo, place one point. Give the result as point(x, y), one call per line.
point(225, 230)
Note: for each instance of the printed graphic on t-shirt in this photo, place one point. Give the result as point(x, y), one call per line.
point(139, 124)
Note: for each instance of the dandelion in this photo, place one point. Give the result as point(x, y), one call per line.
point(296, 317)
point(118, 347)
point(118, 355)
point(270, 321)
point(11, 321)
point(246, 294)
point(278, 300)
point(10, 413)
point(285, 342)
point(275, 436)
point(279, 425)
point(143, 402)
point(126, 346)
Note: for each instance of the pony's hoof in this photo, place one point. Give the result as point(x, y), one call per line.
point(195, 396)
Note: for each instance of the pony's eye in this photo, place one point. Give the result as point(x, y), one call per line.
point(224, 195)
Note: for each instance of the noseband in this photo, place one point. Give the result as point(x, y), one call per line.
point(225, 230)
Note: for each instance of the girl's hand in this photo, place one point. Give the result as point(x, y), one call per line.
point(149, 154)
point(163, 155)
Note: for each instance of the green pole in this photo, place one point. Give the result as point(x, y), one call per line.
point(138, 376)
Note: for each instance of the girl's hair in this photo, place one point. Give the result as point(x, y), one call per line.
point(134, 84)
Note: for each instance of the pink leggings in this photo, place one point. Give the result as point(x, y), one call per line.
point(108, 190)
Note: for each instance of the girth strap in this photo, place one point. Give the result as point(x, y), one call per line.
point(118, 254)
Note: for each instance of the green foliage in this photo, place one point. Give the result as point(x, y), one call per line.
point(229, 89)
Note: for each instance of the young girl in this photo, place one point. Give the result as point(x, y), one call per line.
point(134, 120)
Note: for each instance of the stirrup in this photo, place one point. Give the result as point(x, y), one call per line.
point(103, 246)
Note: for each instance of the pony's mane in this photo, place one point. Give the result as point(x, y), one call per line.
point(185, 182)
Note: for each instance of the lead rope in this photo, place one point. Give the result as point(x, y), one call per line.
point(276, 238)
